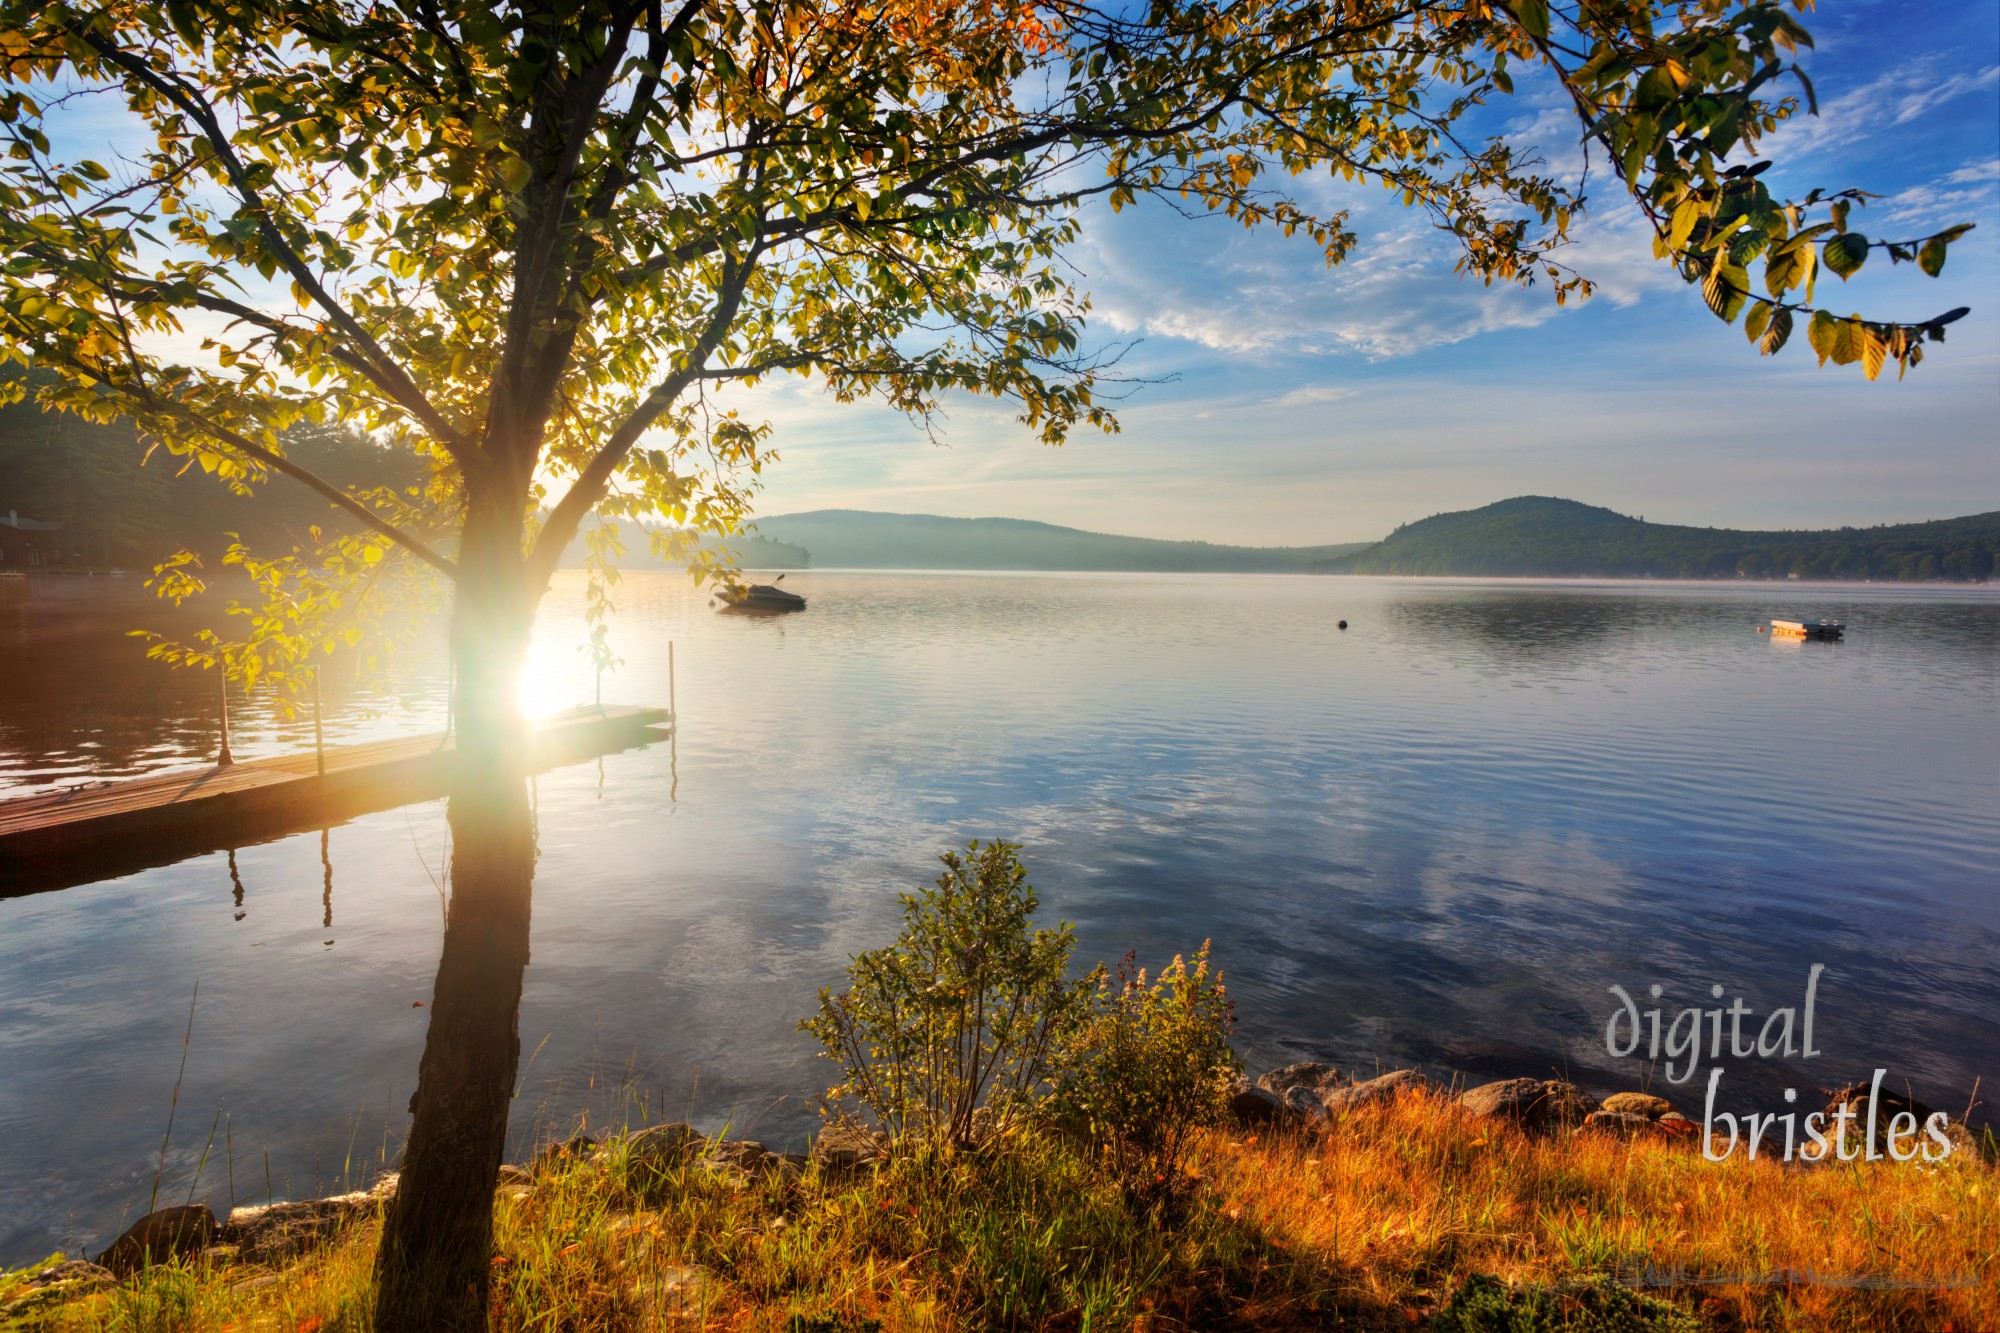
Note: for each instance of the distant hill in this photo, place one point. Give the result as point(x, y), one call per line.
point(859, 539)
point(1536, 536)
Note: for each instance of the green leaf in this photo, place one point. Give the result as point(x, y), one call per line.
point(1534, 16)
point(1931, 258)
point(1821, 333)
point(1725, 289)
point(1776, 335)
point(1755, 322)
point(515, 173)
point(1846, 253)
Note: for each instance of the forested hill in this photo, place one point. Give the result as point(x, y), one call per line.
point(1535, 536)
point(859, 539)
point(85, 476)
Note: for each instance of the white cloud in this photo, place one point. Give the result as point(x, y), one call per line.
point(1260, 295)
point(1899, 97)
point(1313, 393)
point(1988, 170)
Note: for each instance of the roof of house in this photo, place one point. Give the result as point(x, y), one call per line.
point(15, 521)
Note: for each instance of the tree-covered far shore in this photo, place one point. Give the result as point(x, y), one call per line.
point(1534, 536)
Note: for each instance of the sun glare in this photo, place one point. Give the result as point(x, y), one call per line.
point(550, 687)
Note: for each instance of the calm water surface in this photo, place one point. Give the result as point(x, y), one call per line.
point(1434, 838)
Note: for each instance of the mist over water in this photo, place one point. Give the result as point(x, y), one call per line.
point(1436, 838)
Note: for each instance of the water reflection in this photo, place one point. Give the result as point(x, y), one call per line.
point(1539, 628)
point(1434, 838)
point(82, 702)
point(236, 885)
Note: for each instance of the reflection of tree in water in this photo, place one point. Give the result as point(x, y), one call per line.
point(1531, 627)
point(326, 889)
point(81, 698)
point(236, 885)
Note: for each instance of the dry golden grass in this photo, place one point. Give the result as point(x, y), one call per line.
point(1405, 1199)
point(1368, 1226)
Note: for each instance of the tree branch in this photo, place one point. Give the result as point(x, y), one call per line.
point(399, 384)
point(567, 517)
point(277, 462)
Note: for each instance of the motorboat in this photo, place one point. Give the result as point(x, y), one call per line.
point(760, 597)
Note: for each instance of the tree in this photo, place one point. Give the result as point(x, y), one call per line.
point(522, 240)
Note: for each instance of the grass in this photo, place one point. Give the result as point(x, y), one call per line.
point(1376, 1224)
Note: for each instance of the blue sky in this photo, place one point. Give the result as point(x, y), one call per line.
point(1310, 404)
point(1290, 403)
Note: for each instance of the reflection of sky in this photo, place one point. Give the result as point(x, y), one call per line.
point(1439, 835)
point(1298, 404)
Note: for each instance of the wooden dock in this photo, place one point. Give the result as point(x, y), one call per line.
point(77, 834)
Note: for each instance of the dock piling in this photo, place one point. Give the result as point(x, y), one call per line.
point(223, 758)
point(672, 711)
point(319, 730)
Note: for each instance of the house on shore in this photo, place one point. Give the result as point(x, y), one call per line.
point(27, 543)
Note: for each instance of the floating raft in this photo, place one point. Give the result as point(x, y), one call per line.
point(1809, 629)
point(77, 834)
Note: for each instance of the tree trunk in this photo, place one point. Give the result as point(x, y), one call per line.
point(435, 1261)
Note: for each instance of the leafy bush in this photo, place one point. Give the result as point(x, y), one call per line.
point(1149, 1067)
point(964, 1012)
point(1486, 1305)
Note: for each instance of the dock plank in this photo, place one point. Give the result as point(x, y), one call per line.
point(57, 838)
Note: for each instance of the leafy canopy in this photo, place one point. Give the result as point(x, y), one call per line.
point(525, 240)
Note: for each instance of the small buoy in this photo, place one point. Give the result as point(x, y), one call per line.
point(1343, 624)
point(1760, 629)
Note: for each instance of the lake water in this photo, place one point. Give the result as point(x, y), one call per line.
point(1435, 838)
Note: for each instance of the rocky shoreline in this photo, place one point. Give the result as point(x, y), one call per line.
point(1304, 1097)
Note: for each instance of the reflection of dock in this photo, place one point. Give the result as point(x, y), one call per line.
point(74, 835)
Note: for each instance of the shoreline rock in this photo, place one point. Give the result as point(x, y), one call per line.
point(1538, 1105)
point(161, 1237)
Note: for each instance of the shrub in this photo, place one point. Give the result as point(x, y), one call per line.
point(1149, 1067)
point(964, 1011)
point(1485, 1305)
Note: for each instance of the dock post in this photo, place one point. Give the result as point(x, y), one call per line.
point(319, 729)
point(223, 757)
point(672, 712)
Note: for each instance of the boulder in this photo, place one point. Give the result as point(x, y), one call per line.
point(58, 1284)
point(1625, 1124)
point(1893, 1103)
point(847, 1149)
point(1387, 1087)
point(555, 1154)
point(673, 1293)
point(1536, 1104)
point(1304, 1104)
point(1250, 1105)
point(1638, 1103)
point(157, 1238)
point(741, 1154)
point(664, 1146)
point(272, 1233)
point(1304, 1074)
point(78, 1271)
